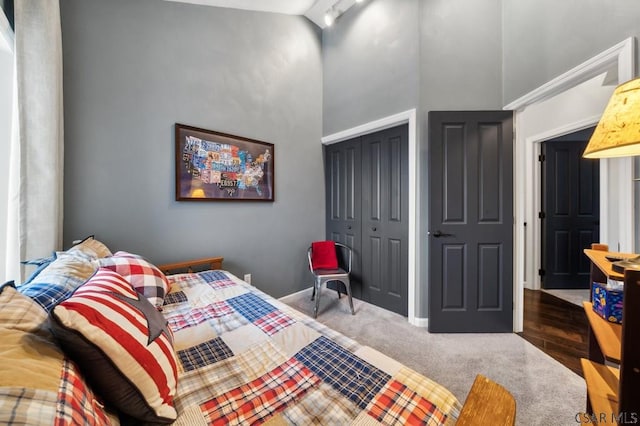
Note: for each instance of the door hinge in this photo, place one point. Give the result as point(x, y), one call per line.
point(541, 272)
point(541, 215)
point(541, 158)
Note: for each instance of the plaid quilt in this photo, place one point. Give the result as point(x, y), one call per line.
point(246, 358)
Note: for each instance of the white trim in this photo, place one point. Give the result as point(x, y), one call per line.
point(409, 117)
point(622, 53)
point(371, 127)
point(527, 148)
point(292, 294)
point(582, 124)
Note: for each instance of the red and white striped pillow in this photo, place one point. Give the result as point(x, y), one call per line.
point(144, 276)
point(122, 344)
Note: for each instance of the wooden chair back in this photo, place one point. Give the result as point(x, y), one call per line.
point(488, 404)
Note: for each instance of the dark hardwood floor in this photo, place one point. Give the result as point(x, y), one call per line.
point(557, 327)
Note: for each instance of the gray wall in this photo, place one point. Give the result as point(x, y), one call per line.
point(396, 55)
point(478, 54)
point(545, 38)
point(370, 63)
point(461, 60)
point(460, 69)
point(134, 68)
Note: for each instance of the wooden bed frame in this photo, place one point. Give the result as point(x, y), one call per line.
point(192, 265)
point(488, 403)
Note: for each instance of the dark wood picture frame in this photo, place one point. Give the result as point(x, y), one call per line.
point(214, 166)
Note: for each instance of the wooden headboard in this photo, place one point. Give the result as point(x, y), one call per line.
point(192, 265)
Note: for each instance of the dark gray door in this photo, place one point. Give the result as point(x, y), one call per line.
point(343, 177)
point(570, 211)
point(385, 218)
point(471, 221)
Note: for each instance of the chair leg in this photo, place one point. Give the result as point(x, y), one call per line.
point(348, 286)
point(317, 304)
point(313, 294)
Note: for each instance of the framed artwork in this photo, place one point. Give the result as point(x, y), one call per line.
point(214, 166)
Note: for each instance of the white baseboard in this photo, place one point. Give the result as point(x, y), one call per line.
point(420, 322)
point(293, 294)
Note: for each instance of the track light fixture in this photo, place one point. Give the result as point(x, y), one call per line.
point(334, 12)
point(331, 15)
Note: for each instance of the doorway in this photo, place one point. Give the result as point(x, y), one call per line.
point(572, 101)
point(570, 215)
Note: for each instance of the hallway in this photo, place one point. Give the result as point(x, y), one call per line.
point(557, 327)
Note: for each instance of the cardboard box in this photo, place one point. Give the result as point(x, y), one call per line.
point(607, 302)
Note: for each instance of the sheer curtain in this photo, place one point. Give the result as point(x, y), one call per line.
point(34, 217)
point(6, 103)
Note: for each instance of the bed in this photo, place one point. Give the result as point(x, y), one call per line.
point(220, 352)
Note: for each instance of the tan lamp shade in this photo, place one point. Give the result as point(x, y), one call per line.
point(618, 132)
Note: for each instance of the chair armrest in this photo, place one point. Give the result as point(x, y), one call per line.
point(188, 265)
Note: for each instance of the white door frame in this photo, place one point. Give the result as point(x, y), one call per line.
point(408, 117)
point(615, 174)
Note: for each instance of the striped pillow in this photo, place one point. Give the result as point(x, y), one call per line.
point(122, 344)
point(145, 277)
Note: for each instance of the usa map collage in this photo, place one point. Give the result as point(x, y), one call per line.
point(224, 165)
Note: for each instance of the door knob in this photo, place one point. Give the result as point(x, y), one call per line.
point(374, 229)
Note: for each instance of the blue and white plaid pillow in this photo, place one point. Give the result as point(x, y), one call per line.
point(59, 279)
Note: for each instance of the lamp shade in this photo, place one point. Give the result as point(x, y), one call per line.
point(618, 131)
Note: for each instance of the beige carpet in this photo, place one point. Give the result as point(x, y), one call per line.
point(546, 392)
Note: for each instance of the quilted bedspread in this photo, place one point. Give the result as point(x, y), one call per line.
point(246, 358)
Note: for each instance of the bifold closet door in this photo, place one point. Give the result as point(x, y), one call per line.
point(367, 209)
point(343, 174)
point(385, 218)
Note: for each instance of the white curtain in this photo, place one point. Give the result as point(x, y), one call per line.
point(34, 224)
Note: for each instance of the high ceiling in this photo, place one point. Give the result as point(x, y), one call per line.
point(312, 9)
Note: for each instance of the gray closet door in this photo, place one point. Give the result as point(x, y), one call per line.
point(385, 218)
point(343, 175)
point(367, 209)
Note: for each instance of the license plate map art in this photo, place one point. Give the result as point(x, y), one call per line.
point(225, 170)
